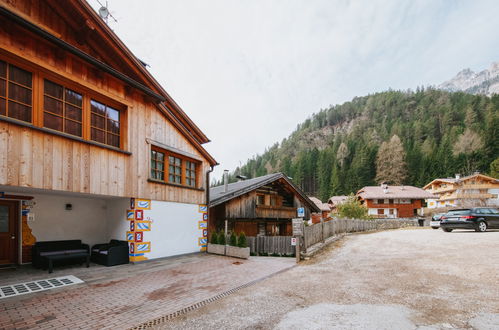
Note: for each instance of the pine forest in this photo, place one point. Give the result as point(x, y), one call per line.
point(399, 137)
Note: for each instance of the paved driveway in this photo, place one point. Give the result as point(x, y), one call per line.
point(125, 296)
point(400, 279)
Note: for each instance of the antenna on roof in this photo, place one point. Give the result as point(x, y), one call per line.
point(104, 12)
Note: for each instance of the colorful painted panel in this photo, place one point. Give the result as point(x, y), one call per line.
point(143, 204)
point(203, 208)
point(130, 236)
point(139, 236)
point(202, 241)
point(205, 216)
point(202, 225)
point(143, 225)
point(132, 225)
point(139, 214)
point(130, 215)
point(143, 247)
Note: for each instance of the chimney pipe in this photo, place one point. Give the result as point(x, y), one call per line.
point(226, 180)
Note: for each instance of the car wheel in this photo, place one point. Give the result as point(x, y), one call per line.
point(447, 230)
point(481, 227)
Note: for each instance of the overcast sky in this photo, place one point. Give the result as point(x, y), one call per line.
point(248, 71)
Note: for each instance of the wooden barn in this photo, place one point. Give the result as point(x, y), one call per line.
point(91, 146)
point(262, 206)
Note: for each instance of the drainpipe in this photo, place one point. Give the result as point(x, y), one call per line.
point(208, 198)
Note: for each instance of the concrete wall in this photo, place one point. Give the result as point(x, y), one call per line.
point(174, 227)
point(86, 220)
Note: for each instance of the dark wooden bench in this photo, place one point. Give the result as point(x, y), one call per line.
point(58, 257)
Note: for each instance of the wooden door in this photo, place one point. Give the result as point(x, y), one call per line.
point(8, 232)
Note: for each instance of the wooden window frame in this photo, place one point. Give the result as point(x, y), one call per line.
point(166, 168)
point(9, 81)
point(63, 102)
point(39, 74)
point(155, 172)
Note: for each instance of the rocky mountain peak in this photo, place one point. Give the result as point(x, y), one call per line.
point(485, 82)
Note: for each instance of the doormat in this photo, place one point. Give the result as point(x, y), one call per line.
point(13, 290)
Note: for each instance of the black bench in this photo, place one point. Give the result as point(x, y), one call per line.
point(72, 256)
point(62, 252)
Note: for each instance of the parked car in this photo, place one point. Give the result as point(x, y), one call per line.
point(477, 218)
point(435, 220)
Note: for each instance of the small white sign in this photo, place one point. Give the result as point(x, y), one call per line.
point(301, 212)
point(293, 241)
point(297, 225)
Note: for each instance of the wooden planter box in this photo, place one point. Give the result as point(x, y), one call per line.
point(238, 252)
point(216, 249)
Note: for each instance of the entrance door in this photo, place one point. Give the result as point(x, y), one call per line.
point(8, 232)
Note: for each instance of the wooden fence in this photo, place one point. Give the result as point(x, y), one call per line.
point(271, 245)
point(315, 233)
point(318, 232)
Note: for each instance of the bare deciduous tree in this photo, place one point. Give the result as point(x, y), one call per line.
point(390, 163)
point(342, 154)
point(468, 143)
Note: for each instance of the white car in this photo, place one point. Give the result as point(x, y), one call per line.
point(435, 220)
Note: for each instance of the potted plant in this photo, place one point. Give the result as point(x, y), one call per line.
point(237, 247)
point(215, 245)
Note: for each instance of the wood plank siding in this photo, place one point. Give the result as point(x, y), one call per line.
point(36, 157)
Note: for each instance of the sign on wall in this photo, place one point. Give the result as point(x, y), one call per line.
point(300, 212)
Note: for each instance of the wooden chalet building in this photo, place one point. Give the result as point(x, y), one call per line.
point(386, 201)
point(325, 208)
point(91, 146)
point(467, 191)
point(262, 206)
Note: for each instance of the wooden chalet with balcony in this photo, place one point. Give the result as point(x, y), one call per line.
point(262, 206)
point(91, 145)
point(468, 191)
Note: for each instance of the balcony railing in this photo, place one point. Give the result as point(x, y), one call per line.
point(275, 212)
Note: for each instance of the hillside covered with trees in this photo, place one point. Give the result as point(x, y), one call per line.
point(408, 137)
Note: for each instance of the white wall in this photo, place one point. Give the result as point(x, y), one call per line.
point(86, 220)
point(174, 229)
point(174, 226)
point(117, 225)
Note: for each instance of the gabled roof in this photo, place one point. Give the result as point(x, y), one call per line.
point(375, 192)
point(323, 206)
point(90, 28)
point(218, 195)
point(464, 178)
point(336, 200)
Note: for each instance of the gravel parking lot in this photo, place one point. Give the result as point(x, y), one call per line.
point(400, 279)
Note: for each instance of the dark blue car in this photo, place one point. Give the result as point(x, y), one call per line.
point(477, 218)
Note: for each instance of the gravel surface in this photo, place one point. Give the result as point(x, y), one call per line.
point(400, 279)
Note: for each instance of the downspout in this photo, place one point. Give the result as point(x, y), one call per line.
point(208, 199)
